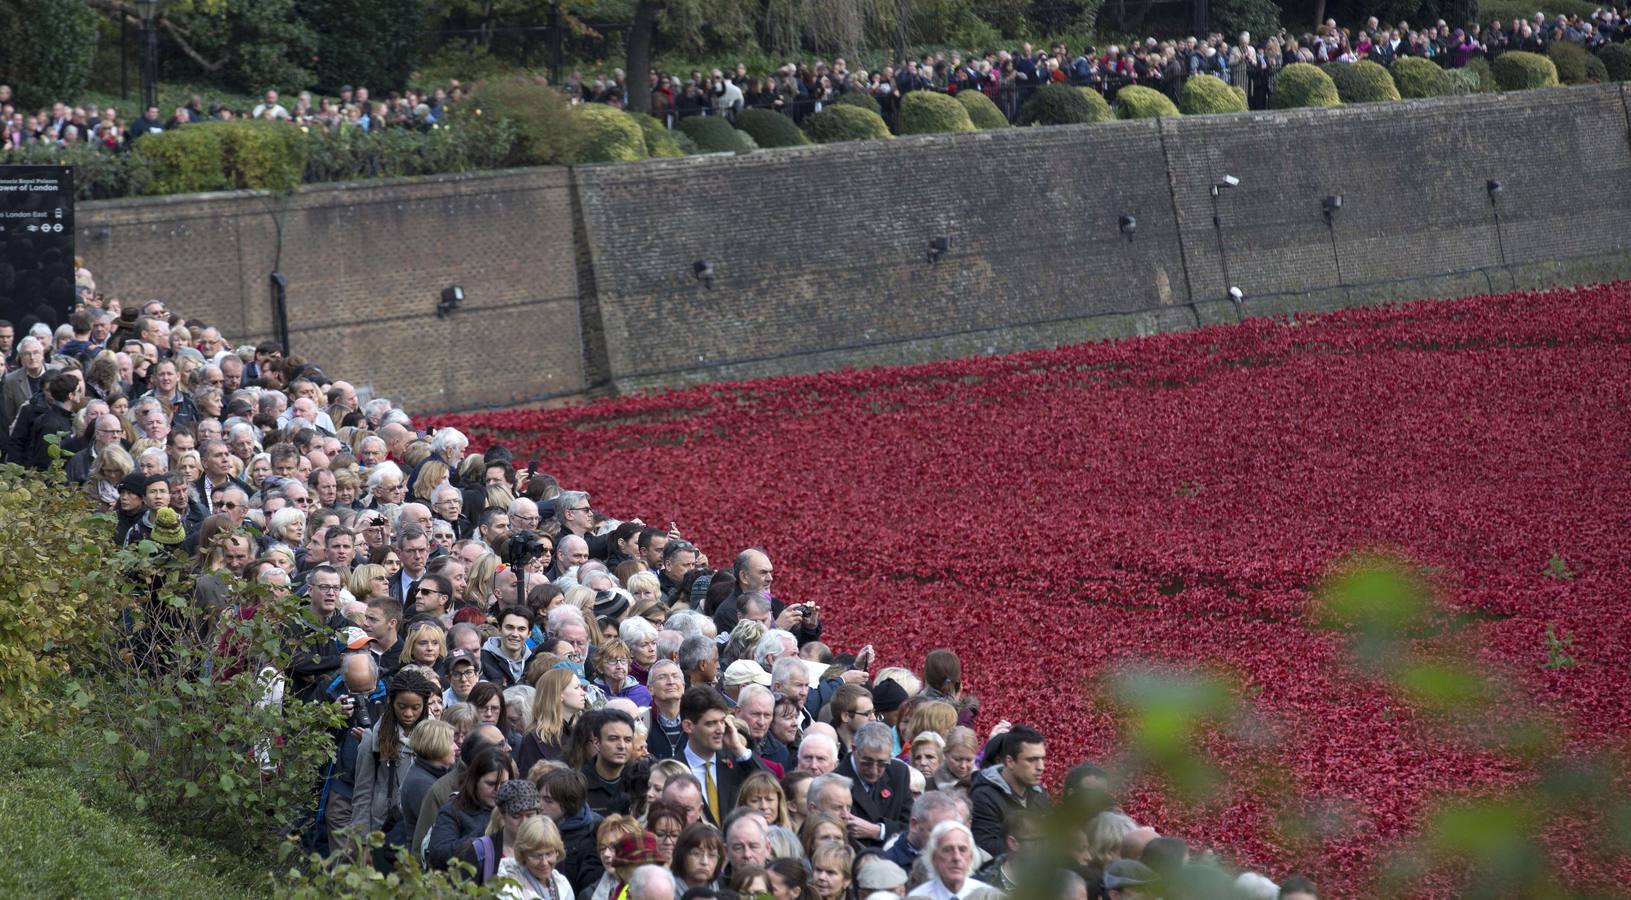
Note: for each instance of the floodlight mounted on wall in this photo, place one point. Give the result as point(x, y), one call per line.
point(1128, 223)
point(1494, 187)
point(452, 299)
point(938, 246)
point(1228, 181)
point(1332, 204)
point(704, 272)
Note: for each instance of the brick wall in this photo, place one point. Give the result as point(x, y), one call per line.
point(366, 264)
point(580, 280)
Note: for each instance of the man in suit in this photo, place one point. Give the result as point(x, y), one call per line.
point(23, 383)
point(715, 751)
point(882, 791)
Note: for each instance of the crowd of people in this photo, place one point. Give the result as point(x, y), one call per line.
point(556, 694)
point(1009, 77)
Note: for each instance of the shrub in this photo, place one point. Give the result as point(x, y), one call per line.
point(1616, 61)
point(684, 142)
point(981, 111)
point(385, 59)
point(1417, 78)
point(714, 134)
point(1207, 94)
point(266, 156)
point(859, 98)
point(1464, 81)
point(50, 46)
point(606, 134)
point(322, 878)
point(1138, 102)
point(179, 704)
point(1480, 67)
point(98, 174)
point(1575, 65)
point(184, 161)
point(841, 122)
point(1058, 104)
point(1361, 82)
point(540, 115)
point(928, 112)
point(55, 591)
point(659, 141)
point(770, 129)
point(1302, 84)
point(352, 154)
point(1517, 70)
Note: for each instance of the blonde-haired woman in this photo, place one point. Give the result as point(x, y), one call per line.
point(479, 587)
point(369, 581)
point(425, 645)
point(112, 465)
point(558, 700)
point(430, 477)
point(533, 871)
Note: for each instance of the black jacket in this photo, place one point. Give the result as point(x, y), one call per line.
point(991, 800)
point(889, 802)
point(39, 419)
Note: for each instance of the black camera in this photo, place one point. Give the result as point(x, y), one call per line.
point(521, 548)
point(360, 716)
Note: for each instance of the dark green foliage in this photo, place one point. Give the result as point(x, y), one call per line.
point(1138, 102)
point(98, 174)
point(1417, 78)
point(659, 141)
point(540, 114)
point(1575, 65)
point(1300, 85)
point(1205, 94)
point(49, 46)
point(213, 156)
point(927, 112)
point(1464, 81)
point(714, 134)
point(1479, 66)
point(1361, 82)
point(1516, 70)
point(260, 43)
point(981, 111)
point(397, 152)
point(770, 129)
point(1058, 104)
point(1260, 17)
point(606, 134)
point(1616, 61)
point(382, 59)
point(684, 142)
point(841, 122)
point(860, 98)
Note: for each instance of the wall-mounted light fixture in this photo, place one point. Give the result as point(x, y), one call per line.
point(1494, 187)
point(938, 246)
point(1332, 205)
point(704, 272)
point(452, 299)
point(1128, 223)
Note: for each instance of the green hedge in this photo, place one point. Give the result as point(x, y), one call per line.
point(1302, 84)
point(714, 134)
point(540, 115)
point(981, 111)
point(859, 98)
point(1209, 94)
point(1138, 102)
point(1361, 82)
point(1417, 78)
point(1517, 70)
point(1575, 65)
point(770, 129)
point(606, 134)
point(1463, 81)
point(98, 174)
point(1479, 66)
point(1058, 104)
point(659, 141)
point(1616, 61)
point(214, 156)
point(843, 122)
point(928, 112)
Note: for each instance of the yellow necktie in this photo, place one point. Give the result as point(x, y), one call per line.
point(713, 790)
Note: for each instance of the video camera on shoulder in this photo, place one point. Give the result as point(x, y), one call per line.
point(522, 548)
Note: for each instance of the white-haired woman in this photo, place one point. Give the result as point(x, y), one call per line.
point(288, 526)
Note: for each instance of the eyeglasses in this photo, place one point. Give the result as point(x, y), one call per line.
point(577, 509)
point(867, 713)
point(326, 588)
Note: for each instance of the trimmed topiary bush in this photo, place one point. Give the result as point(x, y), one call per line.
point(1480, 66)
point(981, 111)
point(927, 112)
point(659, 140)
point(1301, 85)
point(1616, 61)
point(216, 156)
point(1575, 65)
point(540, 114)
point(1518, 70)
point(844, 122)
point(606, 134)
point(714, 134)
point(1058, 104)
point(1361, 82)
point(1464, 82)
point(860, 98)
point(684, 142)
point(1138, 102)
point(1417, 78)
point(1208, 94)
point(770, 129)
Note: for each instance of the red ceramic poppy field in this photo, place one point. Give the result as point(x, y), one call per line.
point(1177, 499)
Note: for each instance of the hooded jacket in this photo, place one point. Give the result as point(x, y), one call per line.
point(581, 865)
point(499, 668)
point(991, 800)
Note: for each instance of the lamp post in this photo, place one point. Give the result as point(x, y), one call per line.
point(148, 10)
